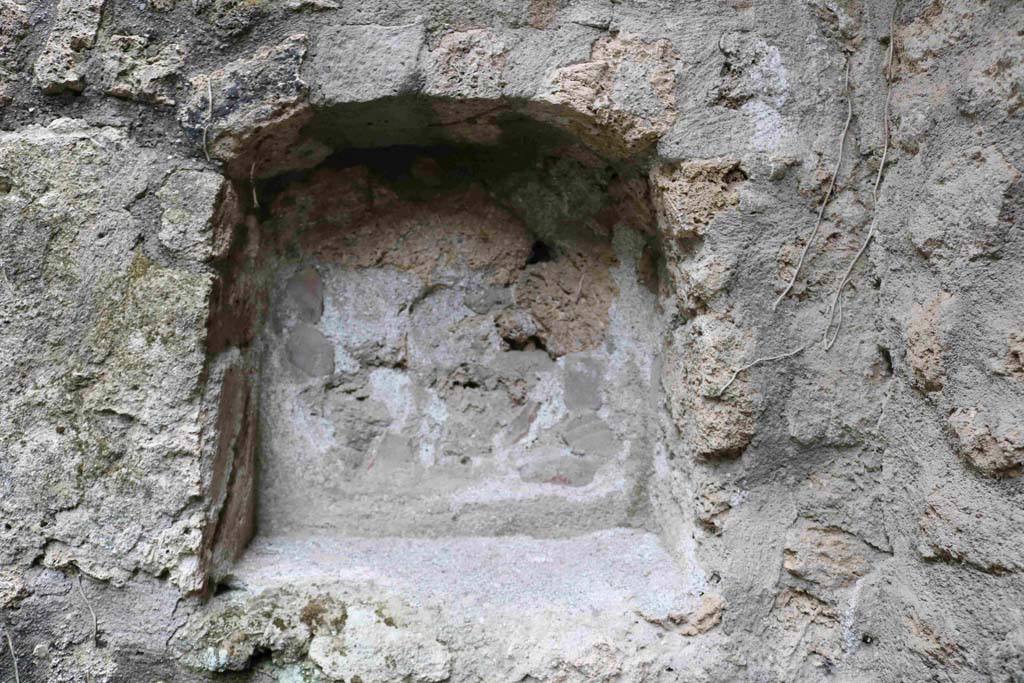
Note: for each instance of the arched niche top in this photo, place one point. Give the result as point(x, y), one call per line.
point(287, 106)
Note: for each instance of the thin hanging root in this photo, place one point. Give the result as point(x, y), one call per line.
point(828, 192)
point(837, 301)
point(209, 115)
point(95, 621)
point(888, 98)
point(755, 363)
point(252, 184)
point(14, 657)
point(836, 307)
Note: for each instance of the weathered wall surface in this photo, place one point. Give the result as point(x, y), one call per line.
point(851, 511)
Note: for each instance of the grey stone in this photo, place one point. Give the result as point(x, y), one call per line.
point(250, 111)
point(583, 383)
point(61, 63)
point(304, 296)
point(488, 299)
point(129, 67)
point(130, 350)
point(189, 200)
point(588, 435)
point(14, 27)
point(310, 351)
point(550, 465)
point(351, 64)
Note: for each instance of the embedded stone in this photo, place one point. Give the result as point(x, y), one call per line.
point(189, 200)
point(304, 296)
point(61, 63)
point(128, 67)
point(310, 351)
point(583, 380)
point(364, 63)
point(589, 435)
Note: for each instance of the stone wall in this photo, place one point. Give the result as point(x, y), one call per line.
point(825, 201)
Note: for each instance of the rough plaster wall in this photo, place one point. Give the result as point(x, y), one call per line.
point(858, 509)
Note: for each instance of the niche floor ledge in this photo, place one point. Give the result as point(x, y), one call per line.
point(612, 571)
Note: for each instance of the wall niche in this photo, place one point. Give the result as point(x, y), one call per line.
point(453, 394)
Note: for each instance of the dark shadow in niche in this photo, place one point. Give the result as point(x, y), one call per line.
point(540, 253)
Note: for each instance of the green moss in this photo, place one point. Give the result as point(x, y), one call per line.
point(384, 616)
point(164, 308)
point(139, 267)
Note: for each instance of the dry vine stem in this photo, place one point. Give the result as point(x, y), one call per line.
point(14, 657)
point(828, 192)
point(754, 363)
point(209, 114)
point(95, 621)
point(837, 298)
